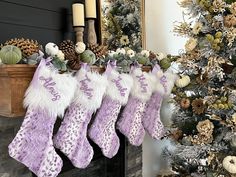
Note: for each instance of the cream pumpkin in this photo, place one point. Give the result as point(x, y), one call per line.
point(183, 81)
point(229, 164)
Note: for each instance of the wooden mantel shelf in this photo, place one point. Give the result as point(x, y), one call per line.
point(14, 80)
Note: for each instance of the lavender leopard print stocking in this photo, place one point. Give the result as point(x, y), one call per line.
point(130, 123)
point(102, 131)
point(71, 138)
point(163, 84)
point(46, 98)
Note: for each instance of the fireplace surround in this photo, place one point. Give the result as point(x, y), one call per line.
point(127, 162)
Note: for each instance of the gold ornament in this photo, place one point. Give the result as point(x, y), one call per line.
point(230, 20)
point(27, 46)
point(183, 81)
point(205, 127)
point(233, 8)
point(185, 103)
point(229, 164)
point(198, 106)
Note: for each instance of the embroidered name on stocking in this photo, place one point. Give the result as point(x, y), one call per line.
point(164, 82)
point(119, 86)
point(49, 84)
point(85, 88)
point(143, 85)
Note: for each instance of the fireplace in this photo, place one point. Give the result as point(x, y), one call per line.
point(127, 163)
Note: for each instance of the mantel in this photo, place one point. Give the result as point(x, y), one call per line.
point(14, 80)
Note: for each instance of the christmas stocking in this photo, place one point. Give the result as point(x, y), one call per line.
point(46, 98)
point(163, 84)
point(102, 131)
point(130, 123)
point(71, 138)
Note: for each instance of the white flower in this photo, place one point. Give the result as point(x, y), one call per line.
point(60, 55)
point(120, 51)
point(145, 53)
point(234, 118)
point(51, 49)
point(161, 56)
point(124, 40)
point(130, 17)
point(197, 28)
point(191, 44)
point(80, 47)
point(203, 162)
point(130, 53)
point(111, 53)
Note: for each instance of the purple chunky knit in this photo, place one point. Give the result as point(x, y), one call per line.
point(102, 131)
point(151, 118)
point(130, 123)
point(71, 137)
point(33, 144)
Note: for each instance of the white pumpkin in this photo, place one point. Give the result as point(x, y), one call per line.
point(183, 81)
point(60, 55)
point(80, 47)
point(51, 49)
point(229, 164)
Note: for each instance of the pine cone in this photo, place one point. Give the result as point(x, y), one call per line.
point(27, 46)
point(99, 50)
point(74, 64)
point(68, 48)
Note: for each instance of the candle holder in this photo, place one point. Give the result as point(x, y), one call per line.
point(92, 37)
point(79, 32)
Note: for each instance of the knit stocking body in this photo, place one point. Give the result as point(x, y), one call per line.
point(102, 131)
point(46, 98)
point(163, 84)
point(71, 138)
point(130, 123)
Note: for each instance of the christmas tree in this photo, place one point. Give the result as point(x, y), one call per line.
point(122, 23)
point(204, 122)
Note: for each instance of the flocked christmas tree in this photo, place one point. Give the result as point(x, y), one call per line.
point(122, 23)
point(204, 122)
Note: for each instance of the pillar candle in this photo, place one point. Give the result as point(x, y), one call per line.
point(78, 14)
point(90, 8)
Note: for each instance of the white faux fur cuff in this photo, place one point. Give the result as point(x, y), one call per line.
point(50, 91)
point(143, 86)
point(119, 86)
point(91, 87)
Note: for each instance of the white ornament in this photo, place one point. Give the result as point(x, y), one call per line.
point(111, 53)
point(229, 164)
point(60, 55)
point(130, 53)
point(145, 53)
point(80, 47)
point(120, 51)
point(51, 49)
point(161, 56)
point(183, 81)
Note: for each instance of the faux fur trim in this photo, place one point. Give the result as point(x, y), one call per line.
point(143, 86)
point(119, 86)
point(91, 87)
point(171, 78)
point(50, 91)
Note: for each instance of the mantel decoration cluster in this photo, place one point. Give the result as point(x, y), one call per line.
point(204, 122)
